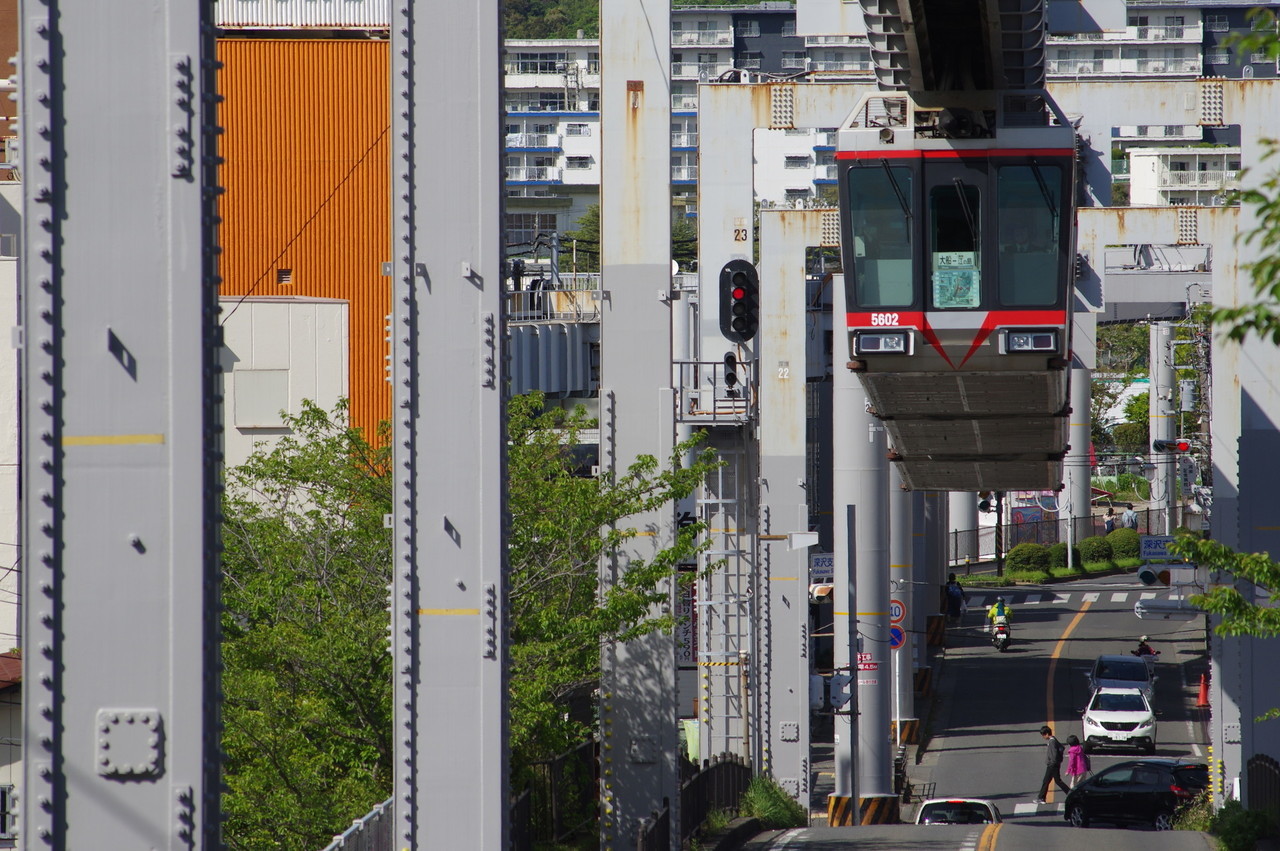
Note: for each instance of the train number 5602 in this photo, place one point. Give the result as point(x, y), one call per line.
point(884, 319)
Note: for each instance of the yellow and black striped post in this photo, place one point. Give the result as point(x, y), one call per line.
point(840, 811)
point(878, 809)
point(924, 681)
point(936, 630)
point(910, 730)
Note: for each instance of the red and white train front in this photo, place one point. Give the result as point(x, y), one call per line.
point(959, 253)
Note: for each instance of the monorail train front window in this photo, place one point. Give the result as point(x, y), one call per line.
point(880, 206)
point(1029, 206)
point(955, 239)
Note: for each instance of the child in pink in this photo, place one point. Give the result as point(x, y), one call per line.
point(1077, 762)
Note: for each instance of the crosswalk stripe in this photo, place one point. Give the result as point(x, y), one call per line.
point(1091, 597)
point(1031, 600)
point(1119, 596)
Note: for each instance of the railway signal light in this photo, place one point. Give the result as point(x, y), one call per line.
point(731, 374)
point(1170, 446)
point(739, 301)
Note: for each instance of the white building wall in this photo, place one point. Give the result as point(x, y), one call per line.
point(277, 352)
point(293, 14)
point(10, 611)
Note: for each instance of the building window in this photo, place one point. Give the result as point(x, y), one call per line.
point(593, 102)
point(524, 228)
point(533, 101)
point(1172, 130)
point(748, 29)
point(593, 63)
point(796, 131)
point(793, 59)
point(8, 813)
point(1259, 58)
point(536, 63)
point(1260, 22)
point(797, 162)
point(797, 194)
point(1218, 57)
point(752, 60)
point(789, 27)
point(577, 130)
point(1216, 23)
point(1143, 130)
point(577, 162)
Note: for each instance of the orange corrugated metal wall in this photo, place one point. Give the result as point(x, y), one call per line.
point(305, 147)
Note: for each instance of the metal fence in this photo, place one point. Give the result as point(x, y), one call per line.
point(720, 785)
point(1263, 787)
point(969, 546)
point(561, 799)
point(370, 833)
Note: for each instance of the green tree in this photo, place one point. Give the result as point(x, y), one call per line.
point(307, 678)
point(307, 710)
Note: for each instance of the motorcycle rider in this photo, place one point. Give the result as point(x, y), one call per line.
point(1144, 649)
point(999, 612)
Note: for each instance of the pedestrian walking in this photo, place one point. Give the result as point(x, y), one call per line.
point(1129, 519)
point(1052, 764)
point(956, 599)
point(1109, 522)
point(1078, 766)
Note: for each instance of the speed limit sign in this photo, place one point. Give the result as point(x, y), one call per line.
point(897, 611)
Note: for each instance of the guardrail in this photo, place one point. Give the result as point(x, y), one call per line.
point(370, 833)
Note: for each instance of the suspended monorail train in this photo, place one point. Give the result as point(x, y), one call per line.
point(958, 236)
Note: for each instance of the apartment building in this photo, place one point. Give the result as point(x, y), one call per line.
point(1176, 176)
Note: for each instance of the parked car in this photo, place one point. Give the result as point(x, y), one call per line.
point(957, 811)
point(1121, 672)
point(1140, 791)
point(1119, 717)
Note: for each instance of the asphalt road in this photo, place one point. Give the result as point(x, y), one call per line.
point(983, 737)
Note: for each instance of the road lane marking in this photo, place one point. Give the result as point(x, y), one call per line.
point(1119, 596)
point(1091, 598)
point(1053, 668)
point(988, 840)
point(1031, 600)
point(1061, 599)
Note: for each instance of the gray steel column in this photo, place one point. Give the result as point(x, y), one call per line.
point(638, 699)
point(868, 448)
point(449, 584)
point(924, 594)
point(783, 501)
point(121, 415)
point(962, 508)
point(847, 409)
point(1077, 467)
point(901, 579)
point(1163, 419)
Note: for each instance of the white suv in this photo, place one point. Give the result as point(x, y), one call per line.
point(1119, 717)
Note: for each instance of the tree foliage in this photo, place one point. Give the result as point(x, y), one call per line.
point(307, 680)
point(684, 241)
point(307, 709)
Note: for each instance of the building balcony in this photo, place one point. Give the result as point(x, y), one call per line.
point(1175, 132)
point(534, 173)
point(533, 140)
point(826, 171)
point(702, 38)
point(1186, 34)
point(1123, 67)
point(699, 70)
point(841, 65)
point(684, 172)
point(684, 102)
point(684, 140)
point(833, 41)
point(1216, 179)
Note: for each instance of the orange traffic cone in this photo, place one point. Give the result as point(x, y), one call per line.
point(1203, 700)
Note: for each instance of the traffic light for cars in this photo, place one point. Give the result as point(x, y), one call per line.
point(1170, 445)
point(1148, 575)
point(739, 301)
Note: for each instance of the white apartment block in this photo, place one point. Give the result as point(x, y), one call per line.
point(1161, 177)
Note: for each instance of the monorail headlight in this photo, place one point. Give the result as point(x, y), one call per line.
point(882, 343)
point(1030, 340)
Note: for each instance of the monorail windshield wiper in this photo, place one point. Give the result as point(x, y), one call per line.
point(897, 190)
point(968, 211)
point(1044, 191)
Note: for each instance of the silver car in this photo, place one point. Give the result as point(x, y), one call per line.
point(957, 811)
point(1126, 671)
point(1119, 717)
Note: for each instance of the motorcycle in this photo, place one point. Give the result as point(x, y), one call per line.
point(1000, 634)
point(1148, 655)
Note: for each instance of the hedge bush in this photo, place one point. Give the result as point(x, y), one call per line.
point(1058, 556)
point(1124, 543)
point(1096, 549)
point(1027, 557)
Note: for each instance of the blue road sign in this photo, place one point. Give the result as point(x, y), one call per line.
point(897, 637)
